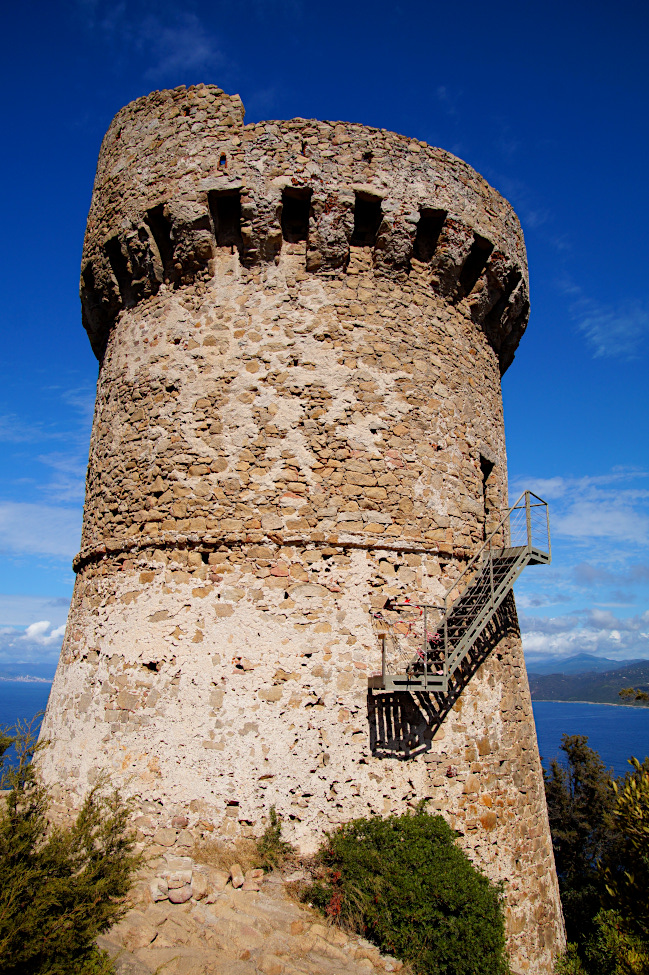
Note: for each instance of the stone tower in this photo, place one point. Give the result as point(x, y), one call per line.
point(301, 328)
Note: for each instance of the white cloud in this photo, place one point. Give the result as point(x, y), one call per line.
point(524, 200)
point(33, 651)
point(610, 330)
point(82, 399)
point(598, 632)
point(39, 529)
point(38, 633)
point(613, 518)
point(547, 488)
point(609, 506)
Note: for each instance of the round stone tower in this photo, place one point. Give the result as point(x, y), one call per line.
point(301, 328)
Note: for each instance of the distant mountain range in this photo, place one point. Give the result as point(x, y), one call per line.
point(599, 686)
point(580, 663)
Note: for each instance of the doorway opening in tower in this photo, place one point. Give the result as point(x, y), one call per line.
point(367, 220)
point(487, 468)
point(296, 210)
point(225, 208)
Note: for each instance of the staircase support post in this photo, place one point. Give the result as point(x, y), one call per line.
point(528, 519)
point(491, 577)
point(425, 646)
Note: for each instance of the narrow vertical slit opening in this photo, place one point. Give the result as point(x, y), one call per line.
point(486, 467)
point(367, 220)
point(225, 208)
point(160, 228)
point(296, 210)
point(428, 230)
point(475, 264)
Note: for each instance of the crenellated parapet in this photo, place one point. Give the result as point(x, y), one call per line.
point(181, 178)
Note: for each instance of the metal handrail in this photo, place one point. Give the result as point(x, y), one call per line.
point(506, 521)
point(503, 558)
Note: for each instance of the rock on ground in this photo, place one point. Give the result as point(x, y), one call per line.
point(184, 920)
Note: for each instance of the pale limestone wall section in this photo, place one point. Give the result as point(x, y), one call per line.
point(285, 436)
point(223, 710)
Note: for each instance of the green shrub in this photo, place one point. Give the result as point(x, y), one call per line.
point(59, 888)
point(600, 835)
point(570, 962)
point(272, 850)
point(626, 875)
point(579, 800)
point(405, 884)
point(615, 950)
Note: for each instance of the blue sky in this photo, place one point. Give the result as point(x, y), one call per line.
point(547, 100)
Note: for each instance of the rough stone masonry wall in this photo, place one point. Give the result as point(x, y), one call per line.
point(301, 328)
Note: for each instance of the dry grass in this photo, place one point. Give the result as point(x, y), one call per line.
point(221, 853)
point(269, 851)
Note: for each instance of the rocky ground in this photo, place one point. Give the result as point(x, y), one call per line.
point(189, 918)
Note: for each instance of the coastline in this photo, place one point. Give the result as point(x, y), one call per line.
point(604, 704)
point(26, 680)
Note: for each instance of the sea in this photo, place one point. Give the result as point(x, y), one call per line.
point(615, 731)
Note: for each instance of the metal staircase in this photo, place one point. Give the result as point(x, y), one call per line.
point(424, 644)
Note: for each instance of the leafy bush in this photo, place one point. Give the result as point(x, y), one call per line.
point(626, 876)
point(579, 802)
point(600, 835)
point(615, 949)
point(405, 884)
point(59, 888)
point(272, 850)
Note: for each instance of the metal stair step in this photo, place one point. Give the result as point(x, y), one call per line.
point(496, 570)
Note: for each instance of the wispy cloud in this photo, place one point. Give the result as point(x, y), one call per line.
point(605, 518)
point(532, 212)
point(168, 43)
point(13, 429)
point(22, 610)
point(81, 399)
point(184, 44)
point(610, 506)
point(448, 100)
point(586, 574)
point(68, 482)
point(614, 331)
point(39, 529)
point(595, 631)
point(611, 330)
point(600, 532)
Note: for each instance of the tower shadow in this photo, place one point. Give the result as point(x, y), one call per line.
point(402, 724)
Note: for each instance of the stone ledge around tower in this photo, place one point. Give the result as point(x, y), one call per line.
point(180, 179)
